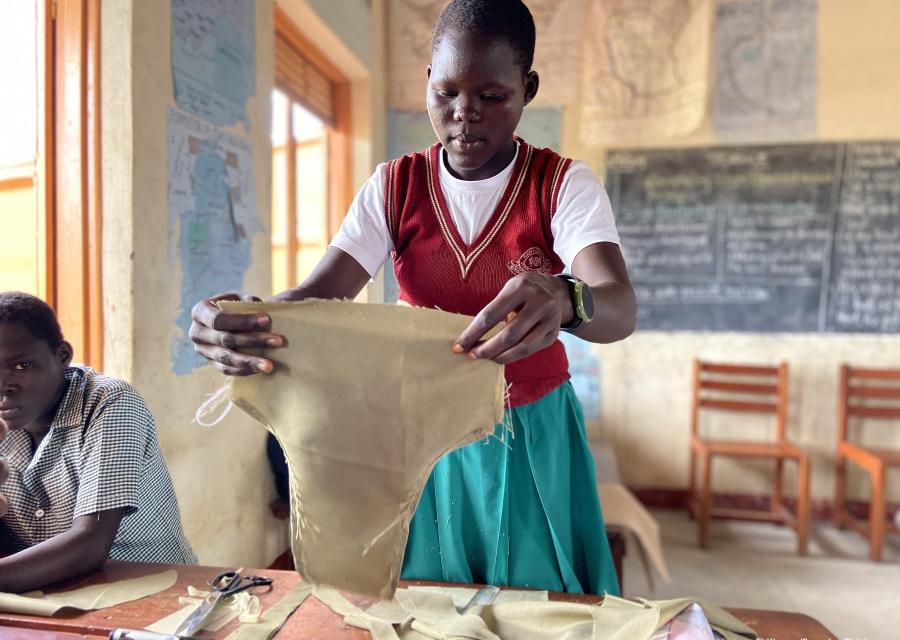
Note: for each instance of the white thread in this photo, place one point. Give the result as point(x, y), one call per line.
point(211, 404)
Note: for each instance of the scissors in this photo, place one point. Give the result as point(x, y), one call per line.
point(224, 585)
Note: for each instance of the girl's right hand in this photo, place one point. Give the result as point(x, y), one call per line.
point(223, 337)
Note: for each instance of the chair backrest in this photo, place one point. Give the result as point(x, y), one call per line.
point(867, 393)
point(741, 387)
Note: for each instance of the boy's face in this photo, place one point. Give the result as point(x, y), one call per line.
point(476, 93)
point(31, 377)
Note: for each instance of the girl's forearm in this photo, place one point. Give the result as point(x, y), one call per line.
point(80, 550)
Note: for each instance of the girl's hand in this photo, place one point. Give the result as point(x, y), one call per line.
point(223, 337)
point(534, 306)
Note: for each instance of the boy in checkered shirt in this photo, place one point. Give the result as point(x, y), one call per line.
point(83, 478)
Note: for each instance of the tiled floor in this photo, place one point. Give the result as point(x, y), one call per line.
point(754, 565)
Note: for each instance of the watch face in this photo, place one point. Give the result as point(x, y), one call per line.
point(587, 302)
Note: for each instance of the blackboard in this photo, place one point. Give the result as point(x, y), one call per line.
point(792, 238)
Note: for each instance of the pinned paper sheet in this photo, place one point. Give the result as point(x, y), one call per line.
point(98, 596)
point(646, 70)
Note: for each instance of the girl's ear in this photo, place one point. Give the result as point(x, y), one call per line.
point(64, 353)
point(532, 81)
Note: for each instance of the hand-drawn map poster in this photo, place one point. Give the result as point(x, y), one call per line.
point(212, 216)
point(557, 59)
point(214, 58)
point(765, 69)
point(646, 70)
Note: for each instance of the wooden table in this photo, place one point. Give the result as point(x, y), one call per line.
point(312, 621)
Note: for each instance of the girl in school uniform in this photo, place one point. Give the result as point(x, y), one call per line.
point(482, 223)
point(82, 477)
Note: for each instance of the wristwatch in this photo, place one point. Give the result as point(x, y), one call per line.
point(582, 302)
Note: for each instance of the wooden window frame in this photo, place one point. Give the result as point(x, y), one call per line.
point(338, 142)
point(71, 171)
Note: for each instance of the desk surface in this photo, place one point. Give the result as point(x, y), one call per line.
point(312, 621)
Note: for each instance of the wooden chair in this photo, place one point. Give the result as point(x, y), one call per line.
point(749, 389)
point(870, 394)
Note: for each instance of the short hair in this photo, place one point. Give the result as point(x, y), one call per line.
point(32, 312)
point(507, 19)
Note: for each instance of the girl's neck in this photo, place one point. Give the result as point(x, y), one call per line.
point(489, 169)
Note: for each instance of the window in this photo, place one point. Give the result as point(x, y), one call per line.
point(49, 162)
point(21, 257)
point(310, 154)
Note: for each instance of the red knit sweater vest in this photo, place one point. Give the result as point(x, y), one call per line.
point(436, 269)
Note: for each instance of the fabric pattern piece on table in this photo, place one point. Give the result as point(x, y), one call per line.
point(97, 596)
point(418, 615)
point(274, 617)
point(363, 400)
point(463, 595)
point(240, 605)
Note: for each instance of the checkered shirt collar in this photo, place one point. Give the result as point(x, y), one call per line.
point(71, 407)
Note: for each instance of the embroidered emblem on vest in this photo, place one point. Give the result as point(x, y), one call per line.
point(532, 260)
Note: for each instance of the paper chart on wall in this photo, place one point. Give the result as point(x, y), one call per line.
point(765, 69)
point(212, 217)
point(213, 58)
point(646, 67)
point(557, 56)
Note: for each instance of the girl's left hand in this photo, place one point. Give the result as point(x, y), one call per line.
point(534, 306)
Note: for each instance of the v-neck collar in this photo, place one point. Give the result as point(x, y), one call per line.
point(466, 254)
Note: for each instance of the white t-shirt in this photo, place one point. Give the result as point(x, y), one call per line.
point(583, 214)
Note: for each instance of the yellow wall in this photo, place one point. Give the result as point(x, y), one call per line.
point(221, 476)
point(645, 379)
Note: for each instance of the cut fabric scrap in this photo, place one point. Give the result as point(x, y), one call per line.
point(364, 399)
point(418, 614)
point(273, 618)
point(97, 596)
point(462, 595)
point(241, 605)
point(381, 626)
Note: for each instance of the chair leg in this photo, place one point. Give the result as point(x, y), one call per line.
point(692, 482)
point(839, 492)
point(777, 488)
point(703, 515)
point(803, 506)
point(877, 514)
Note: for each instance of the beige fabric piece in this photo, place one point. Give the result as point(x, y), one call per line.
point(98, 596)
point(423, 614)
point(621, 508)
point(364, 399)
point(240, 605)
point(274, 617)
point(463, 595)
point(219, 618)
point(380, 626)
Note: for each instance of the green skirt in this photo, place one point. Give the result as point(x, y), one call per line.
point(518, 509)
